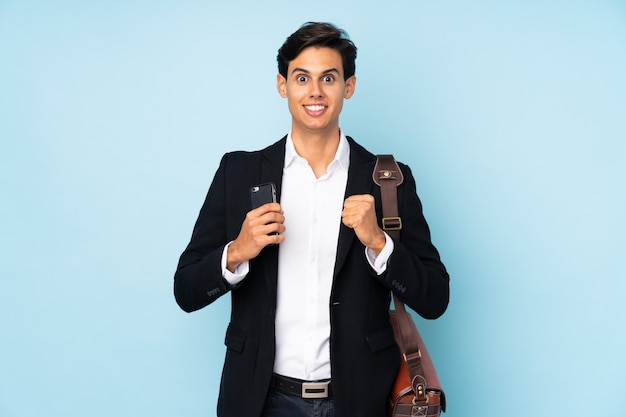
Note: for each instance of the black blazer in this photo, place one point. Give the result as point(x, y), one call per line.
point(364, 355)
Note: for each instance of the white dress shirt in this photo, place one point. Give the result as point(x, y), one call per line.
point(306, 260)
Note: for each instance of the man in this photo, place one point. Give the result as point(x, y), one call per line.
point(310, 277)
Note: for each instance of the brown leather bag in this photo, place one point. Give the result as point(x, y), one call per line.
point(416, 391)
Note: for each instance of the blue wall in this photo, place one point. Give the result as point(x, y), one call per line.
point(113, 116)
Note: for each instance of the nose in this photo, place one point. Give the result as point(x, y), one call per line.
point(316, 89)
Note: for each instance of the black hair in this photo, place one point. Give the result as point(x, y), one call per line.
point(321, 35)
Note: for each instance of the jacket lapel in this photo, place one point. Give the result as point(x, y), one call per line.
point(271, 169)
point(272, 163)
point(359, 182)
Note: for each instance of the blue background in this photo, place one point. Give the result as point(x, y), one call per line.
point(113, 117)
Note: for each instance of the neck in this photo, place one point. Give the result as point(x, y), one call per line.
point(319, 149)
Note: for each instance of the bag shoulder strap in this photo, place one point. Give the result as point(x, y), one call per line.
point(388, 176)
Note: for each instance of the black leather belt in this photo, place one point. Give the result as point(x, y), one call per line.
point(304, 389)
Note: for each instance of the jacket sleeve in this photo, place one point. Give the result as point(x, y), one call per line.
point(198, 279)
point(415, 272)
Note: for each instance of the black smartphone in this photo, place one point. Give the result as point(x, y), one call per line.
point(262, 194)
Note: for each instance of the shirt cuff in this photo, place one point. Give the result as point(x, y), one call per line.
point(234, 278)
point(379, 263)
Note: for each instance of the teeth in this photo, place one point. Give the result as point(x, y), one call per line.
point(315, 108)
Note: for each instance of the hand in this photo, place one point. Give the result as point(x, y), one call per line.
point(359, 214)
point(262, 226)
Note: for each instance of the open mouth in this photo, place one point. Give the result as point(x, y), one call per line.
point(315, 109)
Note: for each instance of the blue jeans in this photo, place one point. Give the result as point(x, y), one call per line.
point(280, 404)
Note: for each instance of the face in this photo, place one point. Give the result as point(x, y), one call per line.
point(315, 90)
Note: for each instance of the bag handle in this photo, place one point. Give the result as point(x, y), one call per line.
point(388, 176)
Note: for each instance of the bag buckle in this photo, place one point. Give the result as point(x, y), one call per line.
point(315, 389)
point(392, 223)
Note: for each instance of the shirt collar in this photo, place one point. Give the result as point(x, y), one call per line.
point(342, 156)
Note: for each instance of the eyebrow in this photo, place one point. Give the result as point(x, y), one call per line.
point(328, 71)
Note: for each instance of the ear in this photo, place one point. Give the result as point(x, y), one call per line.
point(281, 85)
point(350, 87)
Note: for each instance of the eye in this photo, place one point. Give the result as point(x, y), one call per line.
point(301, 78)
point(328, 79)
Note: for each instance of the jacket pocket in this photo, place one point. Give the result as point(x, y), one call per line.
point(234, 340)
point(381, 339)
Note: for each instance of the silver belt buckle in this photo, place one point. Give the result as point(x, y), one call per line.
point(315, 389)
